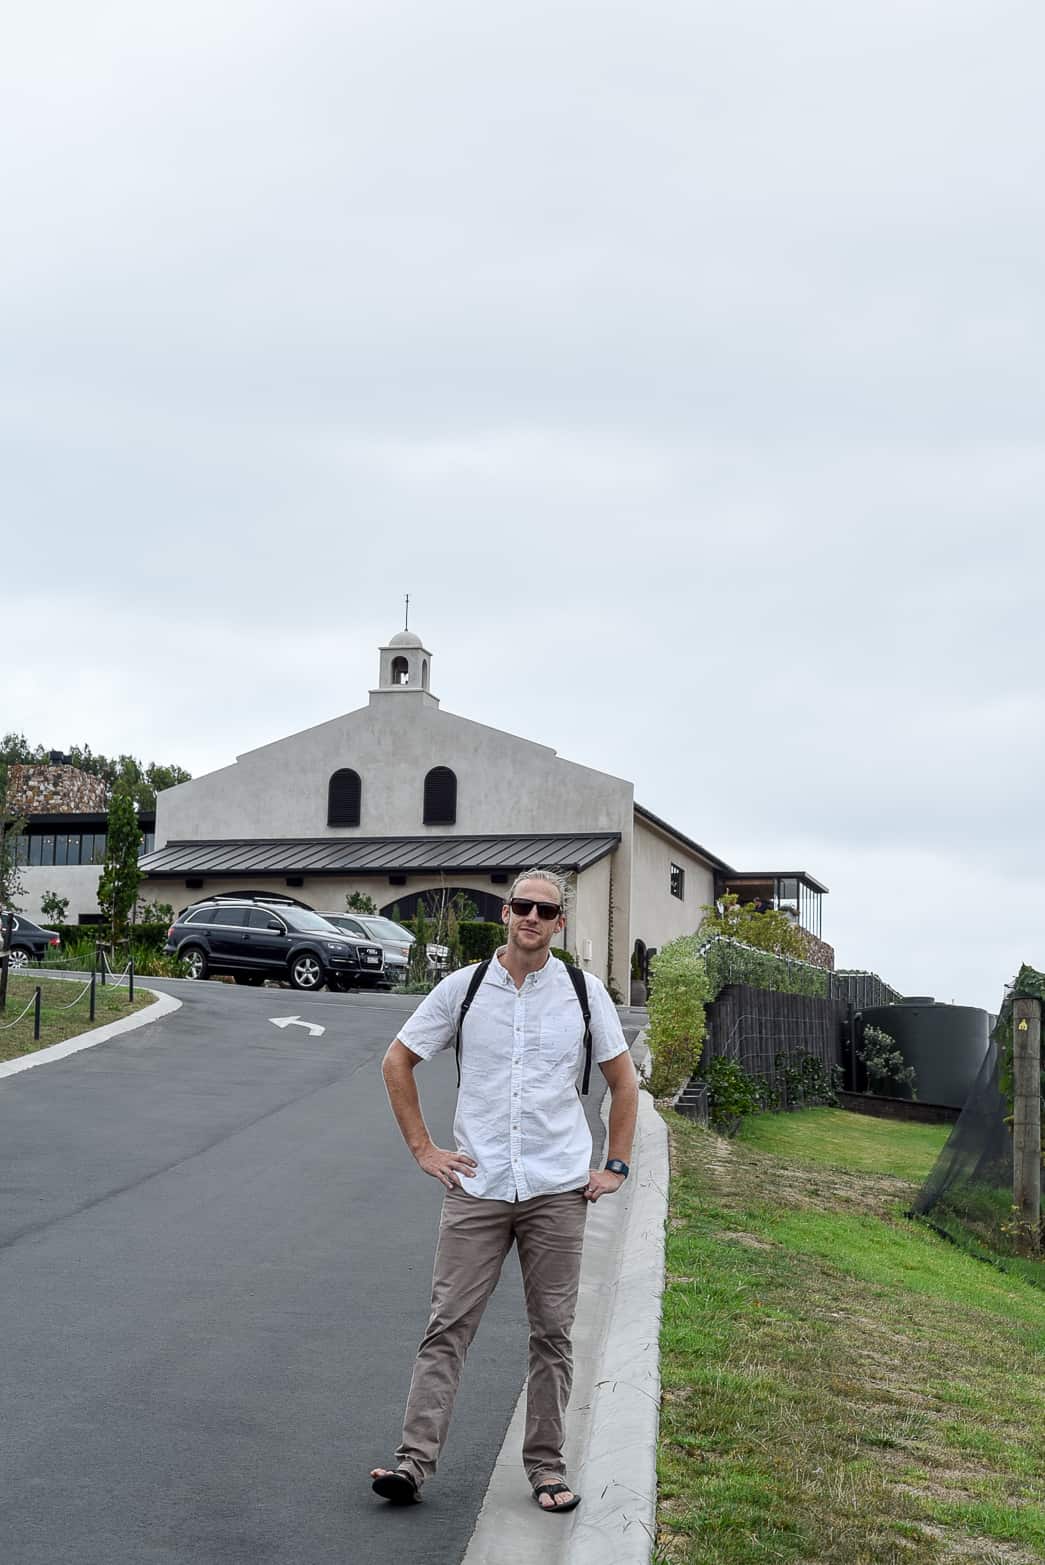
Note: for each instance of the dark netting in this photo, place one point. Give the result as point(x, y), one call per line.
point(968, 1194)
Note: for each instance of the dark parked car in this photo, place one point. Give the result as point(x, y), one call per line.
point(255, 938)
point(30, 943)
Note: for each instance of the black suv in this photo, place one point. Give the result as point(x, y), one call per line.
point(255, 937)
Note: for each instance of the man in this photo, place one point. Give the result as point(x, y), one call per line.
point(519, 1175)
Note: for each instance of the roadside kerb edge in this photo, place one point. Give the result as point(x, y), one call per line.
point(164, 1004)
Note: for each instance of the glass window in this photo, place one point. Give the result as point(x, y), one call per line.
point(231, 916)
point(678, 882)
point(148, 841)
point(73, 854)
point(98, 852)
point(202, 915)
point(34, 849)
point(261, 917)
point(61, 847)
point(47, 848)
point(22, 848)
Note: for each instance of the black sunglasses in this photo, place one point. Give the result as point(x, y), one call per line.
point(545, 910)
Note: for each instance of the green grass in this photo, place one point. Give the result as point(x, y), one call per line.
point(60, 1018)
point(851, 1141)
point(840, 1385)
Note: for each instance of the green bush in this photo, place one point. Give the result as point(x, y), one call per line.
point(479, 939)
point(732, 1093)
point(729, 962)
point(564, 956)
point(151, 934)
point(679, 993)
point(886, 1067)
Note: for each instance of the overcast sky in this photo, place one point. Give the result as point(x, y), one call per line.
point(683, 363)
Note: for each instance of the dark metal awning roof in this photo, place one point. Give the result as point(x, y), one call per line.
point(377, 855)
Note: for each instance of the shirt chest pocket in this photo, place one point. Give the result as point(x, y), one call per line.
point(560, 1046)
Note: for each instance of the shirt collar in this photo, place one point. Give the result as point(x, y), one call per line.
point(531, 981)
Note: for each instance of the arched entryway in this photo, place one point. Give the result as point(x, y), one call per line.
point(487, 905)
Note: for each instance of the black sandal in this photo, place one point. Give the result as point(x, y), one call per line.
point(398, 1488)
point(554, 1489)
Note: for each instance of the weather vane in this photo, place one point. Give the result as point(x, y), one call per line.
point(406, 623)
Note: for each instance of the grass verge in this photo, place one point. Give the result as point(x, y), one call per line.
point(839, 1384)
point(60, 1017)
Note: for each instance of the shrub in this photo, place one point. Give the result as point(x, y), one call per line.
point(676, 1015)
point(886, 1067)
point(479, 939)
point(732, 1093)
point(729, 962)
point(564, 956)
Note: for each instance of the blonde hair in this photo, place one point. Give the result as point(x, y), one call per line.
point(552, 877)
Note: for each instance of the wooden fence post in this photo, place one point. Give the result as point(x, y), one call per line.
point(1026, 1123)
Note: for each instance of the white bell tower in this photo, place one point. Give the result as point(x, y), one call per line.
point(406, 666)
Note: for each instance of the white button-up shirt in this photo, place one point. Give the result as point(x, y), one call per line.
point(518, 1112)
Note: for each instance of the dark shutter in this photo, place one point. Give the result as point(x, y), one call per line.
point(440, 797)
point(343, 799)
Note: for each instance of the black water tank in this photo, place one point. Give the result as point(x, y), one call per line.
point(945, 1044)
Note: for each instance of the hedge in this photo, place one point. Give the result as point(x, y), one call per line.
point(151, 934)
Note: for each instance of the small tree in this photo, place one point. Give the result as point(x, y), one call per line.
point(359, 902)
point(419, 949)
point(886, 1066)
point(54, 907)
point(118, 884)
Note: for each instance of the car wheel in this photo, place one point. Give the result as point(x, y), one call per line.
point(253, 979)
point(20, 956)
point(306, 971)
point(195, 960)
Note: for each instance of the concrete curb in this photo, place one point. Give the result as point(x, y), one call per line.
point(617, 1520)
point(611, 1447)
point(164, 1004)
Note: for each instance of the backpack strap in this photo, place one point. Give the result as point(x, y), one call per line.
point(473, 989)
point(580, 986)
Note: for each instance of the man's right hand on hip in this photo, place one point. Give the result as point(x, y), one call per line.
point(445, 1166)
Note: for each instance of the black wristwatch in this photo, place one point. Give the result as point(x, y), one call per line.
point(616, 1165)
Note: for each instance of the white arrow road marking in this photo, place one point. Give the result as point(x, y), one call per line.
point(314, 1029)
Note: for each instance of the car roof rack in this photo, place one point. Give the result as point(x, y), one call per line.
point(255, 897)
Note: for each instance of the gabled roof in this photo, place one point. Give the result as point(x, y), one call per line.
point(378, 855)
point(672, 831)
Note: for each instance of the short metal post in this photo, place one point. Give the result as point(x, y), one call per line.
point(93, 977)
point(99, 957)
point(36, 1014)
point(130, 977)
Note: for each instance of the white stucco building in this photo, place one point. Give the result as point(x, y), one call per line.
point(400, 798)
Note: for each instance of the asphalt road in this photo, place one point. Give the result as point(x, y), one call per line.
point(215, 1256)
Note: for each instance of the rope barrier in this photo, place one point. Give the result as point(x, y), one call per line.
point(76, 1001)
point(18, 1018)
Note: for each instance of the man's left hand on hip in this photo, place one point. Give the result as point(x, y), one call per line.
point(601, 1182)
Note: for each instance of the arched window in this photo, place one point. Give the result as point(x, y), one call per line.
point(343, 798)
point(440, 797)
point(424, 673)
point(400, 671)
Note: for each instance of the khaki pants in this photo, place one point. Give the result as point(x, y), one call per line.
point(475, 1235)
